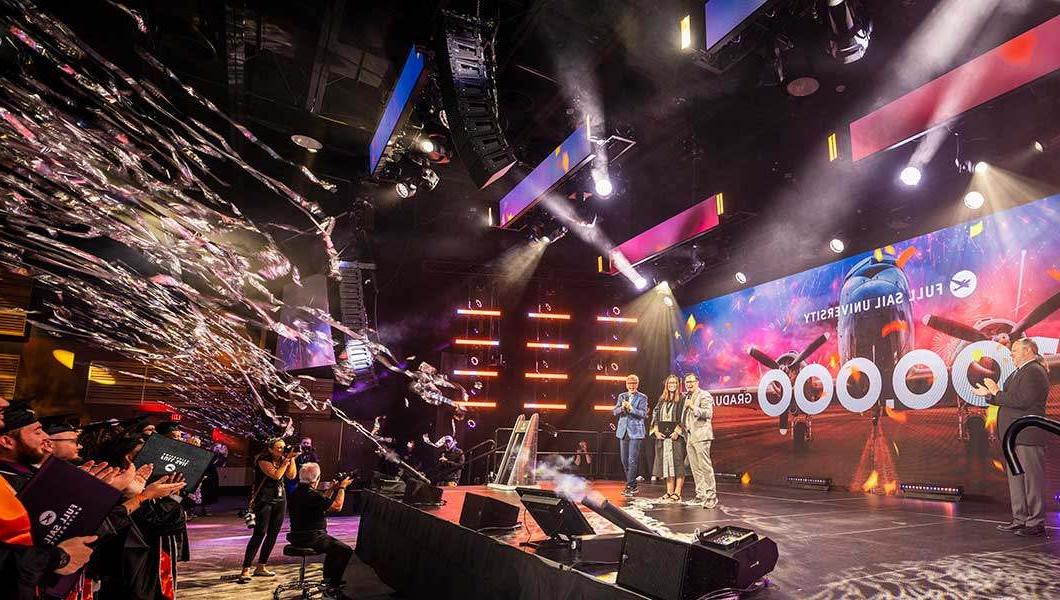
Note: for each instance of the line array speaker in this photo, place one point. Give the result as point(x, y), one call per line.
point(469, 95)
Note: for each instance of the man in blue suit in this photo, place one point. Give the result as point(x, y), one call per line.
point(631, 410)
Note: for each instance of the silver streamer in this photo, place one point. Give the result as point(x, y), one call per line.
point(92, 158)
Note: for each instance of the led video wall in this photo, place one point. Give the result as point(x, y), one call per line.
point(861, 370)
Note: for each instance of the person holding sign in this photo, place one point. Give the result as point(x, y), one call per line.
point(268, 504)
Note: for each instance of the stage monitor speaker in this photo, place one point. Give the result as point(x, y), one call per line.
point(482, 512)
point(469, 95)
point(422, 494)
point(387, 485)
point(667, 569)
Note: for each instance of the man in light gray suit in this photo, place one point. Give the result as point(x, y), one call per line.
point(1025, 393)
point(699, 410)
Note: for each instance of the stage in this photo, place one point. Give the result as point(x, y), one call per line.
point(832, 545)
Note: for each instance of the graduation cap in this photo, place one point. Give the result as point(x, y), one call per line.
point(63, 423)
point(17, 416)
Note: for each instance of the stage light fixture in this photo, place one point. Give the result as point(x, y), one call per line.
point(981, 168)
point(405, 189)
point(640, 283)
point(306, 142)
point(603, 187)
point(1038, 146)
point(837, 245)
point(974, 200)
point(668, 301)
point(741, 278)
point(426, 145)
point(478, 312)
point(610, 377)
point(910, 176)
point(849, 30)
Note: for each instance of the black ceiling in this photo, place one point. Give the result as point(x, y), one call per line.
point(325, 67)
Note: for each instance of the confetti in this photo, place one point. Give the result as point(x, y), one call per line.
point(116, 210)
point(892, 327)
point(904, 257)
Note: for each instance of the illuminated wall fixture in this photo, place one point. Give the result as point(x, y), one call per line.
point(471, 312)
point(616, 348)
point(833, 148)
point(610, 377)
point(604, 407)
point(801, 482)
point(548, 345)
point(65, 358)
point(562, 376)
point(553, 316)
point(719, 200)
point(544, 406)
point(741, 278)
point(931, 491)
point(466, 342)
point(472, 373)
point(476, 404)
point(837, 245)
point(686, 32)
point(616, 319)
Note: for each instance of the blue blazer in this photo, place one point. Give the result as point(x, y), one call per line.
point(631, 421)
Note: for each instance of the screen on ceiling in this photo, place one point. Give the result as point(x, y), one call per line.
point(723, 16)
point(318, 349)
point(886, 395)
point(574, 150)
point(399, 99)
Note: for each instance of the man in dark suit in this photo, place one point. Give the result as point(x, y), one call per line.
point(1025, 393)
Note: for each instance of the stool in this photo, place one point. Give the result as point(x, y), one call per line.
point(308, 588)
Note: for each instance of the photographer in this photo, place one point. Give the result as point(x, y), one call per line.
point(267, 505)
point(309, 525)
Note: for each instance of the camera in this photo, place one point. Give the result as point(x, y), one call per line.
point(291, 450)
point(343, 475)
point(248, 517)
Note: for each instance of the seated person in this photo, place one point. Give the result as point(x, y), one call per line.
point(309, 524)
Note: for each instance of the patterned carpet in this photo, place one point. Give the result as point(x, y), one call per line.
point(217, 545)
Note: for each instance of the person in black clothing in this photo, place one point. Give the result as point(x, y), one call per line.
point(22, 445)
point(23, 562)
point(309, 524)
point(274, 465)
point(307, 455)
point(450, 463)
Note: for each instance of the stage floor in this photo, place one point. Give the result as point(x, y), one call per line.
point(842, 545)
point(832, 545)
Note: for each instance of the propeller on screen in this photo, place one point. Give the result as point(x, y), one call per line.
point(763, 358)
point(814, 345)
point(1043, 310)
point(954, 329)
point(768, 362)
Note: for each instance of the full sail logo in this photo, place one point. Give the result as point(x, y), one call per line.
point(963, 283)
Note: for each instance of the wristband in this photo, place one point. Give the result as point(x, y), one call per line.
point(64, 559)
